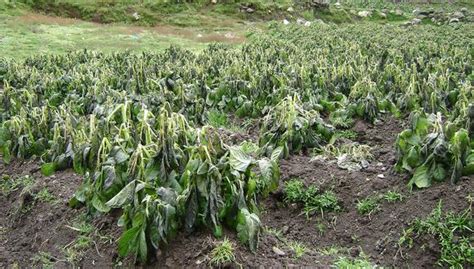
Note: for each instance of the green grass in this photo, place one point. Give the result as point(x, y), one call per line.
point(312, 199)
point(452, 231)
point(299, 249)
point(392, 196)
point(222, 253)
point(367, 206)
point(19, 39)
point(358, 263)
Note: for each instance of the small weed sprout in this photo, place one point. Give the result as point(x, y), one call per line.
point(222, 253)
point(367, 206)
point(392, 196)
point(298, 249)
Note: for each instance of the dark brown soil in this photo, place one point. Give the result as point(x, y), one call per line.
point(347, 233)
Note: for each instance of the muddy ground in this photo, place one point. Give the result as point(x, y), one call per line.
point(30, 226)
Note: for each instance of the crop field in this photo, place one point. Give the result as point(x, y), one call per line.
point(320, 145)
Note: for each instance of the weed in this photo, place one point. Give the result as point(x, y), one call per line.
point(45, 196)
point(392, 196)
point(312, 200)
point(453, 232)
point(321, 228)
point(294, 191)
point(217, 119)
point(367, 206)
point(298, 249)
point(359, 263)
point(9, 185)
point(75, 250)
point(223, 253)
point(45, 259)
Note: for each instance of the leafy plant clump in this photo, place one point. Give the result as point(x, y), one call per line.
point(312, 199)
point(432, 150)
point(291, 126)
point(452, 231)
point(367, 206)
point(222, 253)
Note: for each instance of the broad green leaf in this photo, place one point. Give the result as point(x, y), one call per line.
point(48, 169)
point(128, 241)
point(99, 205)
point(421, 177)
point(239, 160)
point(123, 197)
point(276, 154)
point(142, 246)
point(248, 229)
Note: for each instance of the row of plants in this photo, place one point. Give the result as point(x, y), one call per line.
point(135, 125)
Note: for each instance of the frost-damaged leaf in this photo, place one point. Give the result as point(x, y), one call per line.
point(5, 150)
point(269, 174)
point(48, 169)
point(123, 197)
point(248, 228)
point(421, 177)
point(239, 160)
point(276, 154)
point(99, 205)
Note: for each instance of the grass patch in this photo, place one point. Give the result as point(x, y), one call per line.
point(9, 185)
point(311, 198)
point(452, 231)
point(362, 262)
point(393, 196)
point(222, 253)
point(367, 206)
point(299, 249)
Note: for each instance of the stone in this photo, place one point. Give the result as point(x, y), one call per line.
point(278, 251)
point(337, 5)
point(286, 22)
point(380, 176)
point(458, 15)
point(383, 15)
point(300, 21)
point(398, 12)
point(307, 24)
point(136, 16)
point(363, 13)
point(415, 21)
point(454, 20)
point(290, 9)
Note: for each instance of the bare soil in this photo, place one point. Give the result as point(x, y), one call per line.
point(45, 227)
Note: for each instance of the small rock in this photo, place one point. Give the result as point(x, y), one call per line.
point(458, 15)
point(307, 24)
point(454, 20)
point(383, 15)
point(290, 9)
point(136, 16)
point(398, 12)
point(300, 21)
point(415, 21)
point(379, 164)
point(285, 229)
point(199, 35)
point(278, 251)
point(337, 5)
point(286, 22)
point(363, 14)
point(250, 10)
point(380, 176)
point(464, 10)
point(214, 1)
